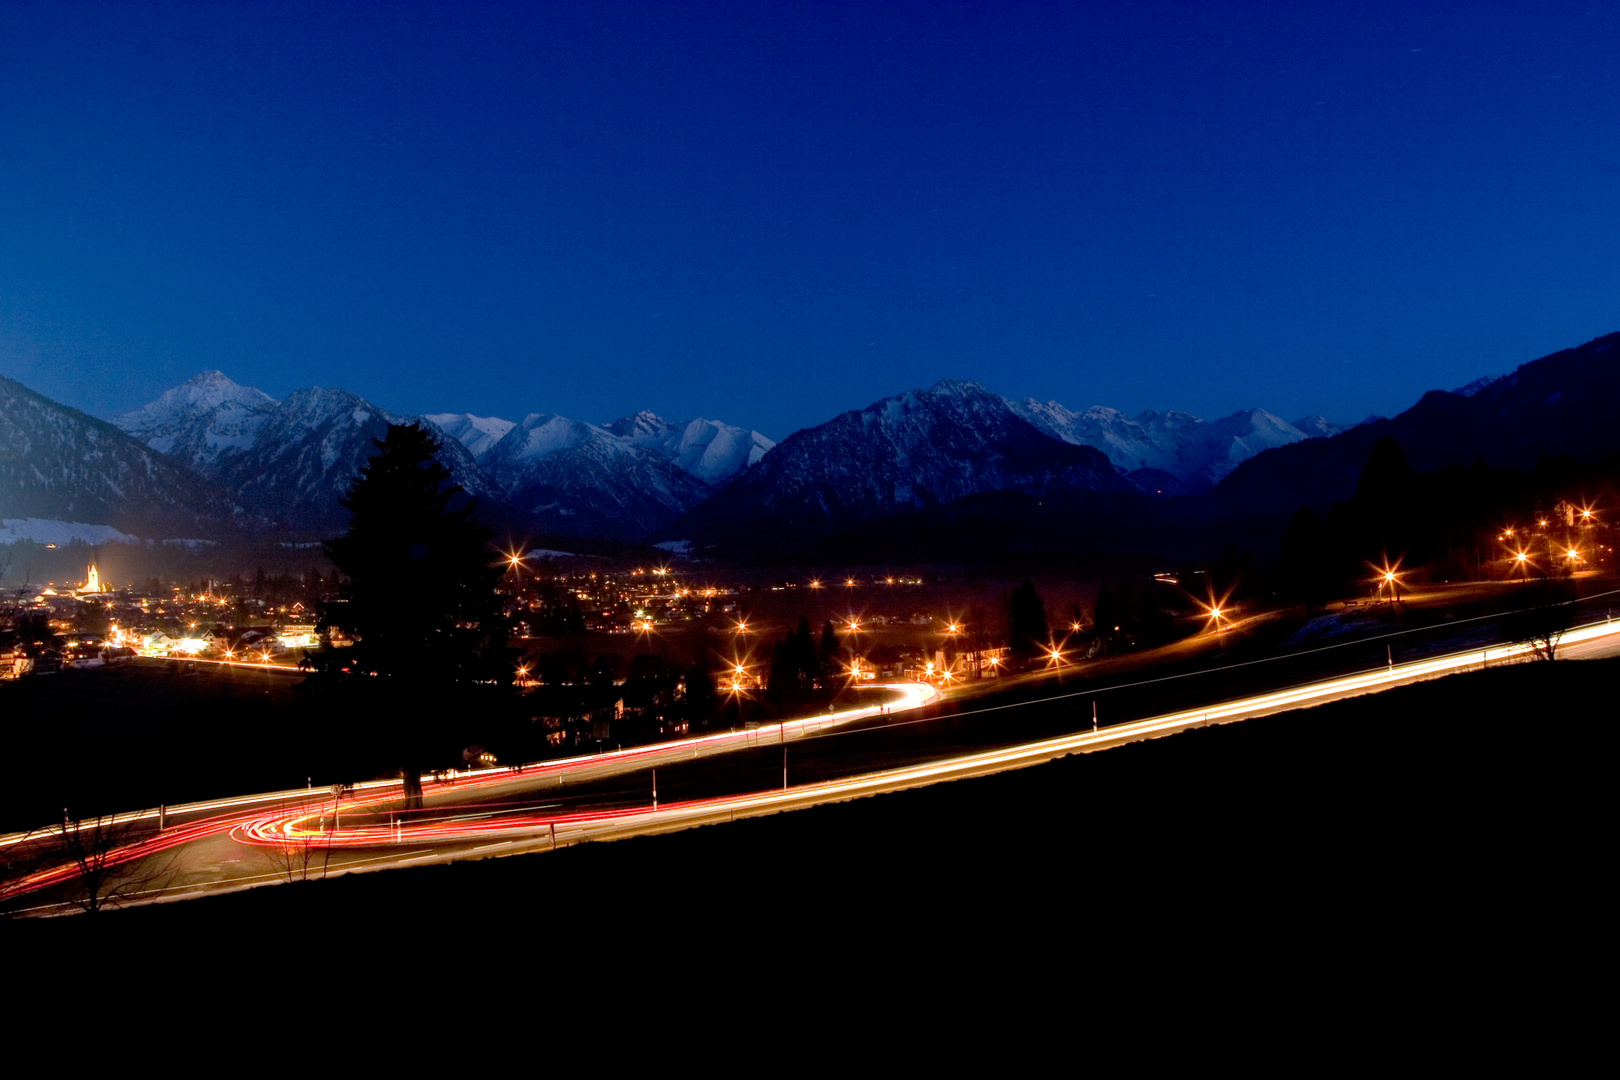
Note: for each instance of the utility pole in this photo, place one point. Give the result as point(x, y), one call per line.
point(1094, 717)
point(655, 789)
point(784, 766)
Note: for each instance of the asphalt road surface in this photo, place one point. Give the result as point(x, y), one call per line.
point(227, 845)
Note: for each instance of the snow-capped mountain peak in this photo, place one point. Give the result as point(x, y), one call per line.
point(710, 450)
point(956, 388)
point(204, 419)
point(1476, 386)
point(540, 434)
point(642, 428)
point(1197, 452)
point(573, 476)
point(476, 433)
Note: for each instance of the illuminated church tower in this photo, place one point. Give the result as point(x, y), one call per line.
point(92, 580)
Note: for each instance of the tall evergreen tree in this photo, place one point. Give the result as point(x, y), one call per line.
point(418, 597)
point(828, 654)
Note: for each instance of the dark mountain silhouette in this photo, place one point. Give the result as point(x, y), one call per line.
point(57, 463)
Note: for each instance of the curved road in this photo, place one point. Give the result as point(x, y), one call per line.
point(300, 835)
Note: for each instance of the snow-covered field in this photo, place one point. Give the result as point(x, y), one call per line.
point(43, 531)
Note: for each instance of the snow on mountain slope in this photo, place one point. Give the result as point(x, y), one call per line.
point(917, 449)
point(294, 459)
point(42, 531)
point(712, 451)
point(1318, 427)
point(476, 433)
point(201, 420)
point(1197, 452)
point(1476, 386)
point(57, 464)
point(310, 450)
point(582, 479)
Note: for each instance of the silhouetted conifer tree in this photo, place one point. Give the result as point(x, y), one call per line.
point(418, 598)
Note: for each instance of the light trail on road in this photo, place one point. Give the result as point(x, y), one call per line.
point(252, 816)
point(288, 827)
point(560, 829)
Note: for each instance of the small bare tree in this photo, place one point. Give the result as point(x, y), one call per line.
point(106, 861)
point(1548, 612)
point(306, 855)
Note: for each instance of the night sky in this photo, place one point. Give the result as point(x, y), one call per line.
point(769, 213)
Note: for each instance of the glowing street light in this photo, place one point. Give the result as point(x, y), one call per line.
point(1216, 611)
point(1388, 577)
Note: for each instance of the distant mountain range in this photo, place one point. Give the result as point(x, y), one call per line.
point(293, 460)
point(212, 454)
point(290, 462)
point(1195, 454)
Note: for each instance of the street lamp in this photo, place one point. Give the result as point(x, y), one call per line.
point(1388, 577)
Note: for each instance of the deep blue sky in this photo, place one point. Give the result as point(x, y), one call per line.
point(769, 213)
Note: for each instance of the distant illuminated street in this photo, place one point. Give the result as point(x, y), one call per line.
point(231, 844)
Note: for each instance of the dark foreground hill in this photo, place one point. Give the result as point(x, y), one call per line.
point(1444, 818)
